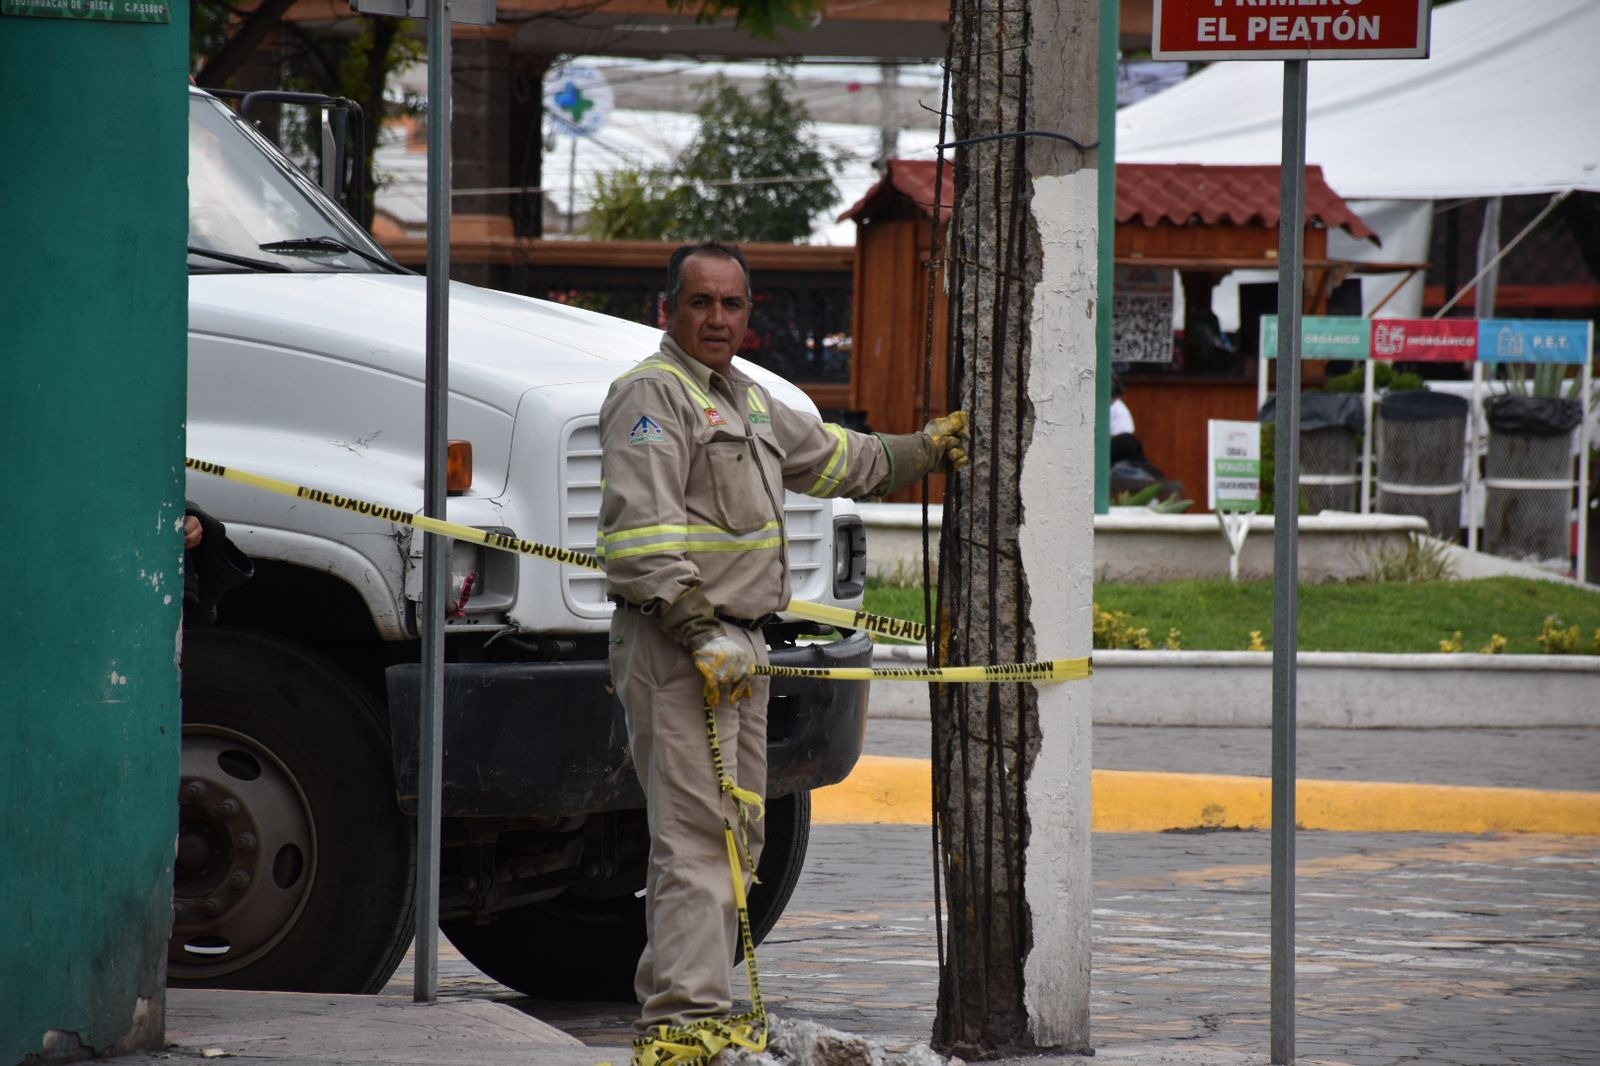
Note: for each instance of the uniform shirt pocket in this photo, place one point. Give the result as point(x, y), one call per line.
point(739, 500)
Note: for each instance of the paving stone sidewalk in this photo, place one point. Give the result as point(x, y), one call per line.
point(1435, 949)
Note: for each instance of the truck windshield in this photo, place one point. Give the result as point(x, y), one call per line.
point(255, 211)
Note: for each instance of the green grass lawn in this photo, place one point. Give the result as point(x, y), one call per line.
point(1336, 616)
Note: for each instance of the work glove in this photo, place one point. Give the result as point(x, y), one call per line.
point(690, 619)
point(949, 435)
point(725, 664)
point(728, 669)
point(941, 447)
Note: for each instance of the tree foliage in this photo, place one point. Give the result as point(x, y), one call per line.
point(753, 172)
point(759, 18)
point(635, 203)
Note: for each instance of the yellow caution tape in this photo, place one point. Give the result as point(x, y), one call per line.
point(398, 516)
point(697, 1044)
point(845, 618)
point(840, 617)
point(1048, 670)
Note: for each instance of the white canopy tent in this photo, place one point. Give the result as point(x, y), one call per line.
point(1504, 105)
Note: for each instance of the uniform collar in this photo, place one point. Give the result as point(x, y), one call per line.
point(702, 374)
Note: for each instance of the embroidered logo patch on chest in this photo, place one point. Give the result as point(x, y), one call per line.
point(645, 431)
point(714, 417)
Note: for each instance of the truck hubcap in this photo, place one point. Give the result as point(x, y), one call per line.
point(246, 854)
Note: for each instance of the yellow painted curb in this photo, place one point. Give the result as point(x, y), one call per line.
point(884, 790)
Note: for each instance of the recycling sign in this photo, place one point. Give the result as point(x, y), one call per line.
point(577, 99)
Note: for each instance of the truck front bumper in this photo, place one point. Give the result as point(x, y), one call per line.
point(528, 740)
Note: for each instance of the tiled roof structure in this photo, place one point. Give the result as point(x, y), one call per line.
point(1152, 193)
point(912, 178)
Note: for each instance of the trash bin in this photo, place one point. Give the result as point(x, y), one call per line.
point(1528, 477)
point(1330, 448)
point(1421, 447)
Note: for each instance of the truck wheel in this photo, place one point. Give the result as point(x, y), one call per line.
point(585, 947)
point(295, 865)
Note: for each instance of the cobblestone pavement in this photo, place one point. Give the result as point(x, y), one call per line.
point(1428, 949)
point(1412, 949)
point(1456, 950)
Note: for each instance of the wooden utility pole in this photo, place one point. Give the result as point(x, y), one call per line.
point(1011, 762)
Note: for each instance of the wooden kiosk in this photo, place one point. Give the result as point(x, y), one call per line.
point(1197, 220)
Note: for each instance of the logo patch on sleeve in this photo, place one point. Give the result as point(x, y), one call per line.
point(645, 431)
point(714, 417)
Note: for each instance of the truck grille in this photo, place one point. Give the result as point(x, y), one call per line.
point(807, 521)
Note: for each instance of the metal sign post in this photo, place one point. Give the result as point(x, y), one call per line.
point(1239, 29)
point(1286, 554)
point(436, 548)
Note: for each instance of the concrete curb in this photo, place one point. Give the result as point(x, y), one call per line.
point(1336, 690)
point(1138, 545)
point(887, 790)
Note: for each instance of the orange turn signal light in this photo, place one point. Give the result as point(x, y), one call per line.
point(458, 467)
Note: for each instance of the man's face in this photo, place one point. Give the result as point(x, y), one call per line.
point(712, 311)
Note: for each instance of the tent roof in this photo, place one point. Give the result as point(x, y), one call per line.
point(1504, 105)
point(1150, 194)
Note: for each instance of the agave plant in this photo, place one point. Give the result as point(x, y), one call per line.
point(1548, 380)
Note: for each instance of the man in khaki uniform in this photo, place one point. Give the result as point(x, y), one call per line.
point(695, 459)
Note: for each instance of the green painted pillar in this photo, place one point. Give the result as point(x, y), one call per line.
point(93, 298)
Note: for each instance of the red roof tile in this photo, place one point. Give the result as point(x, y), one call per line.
point(1179, 193)
point(911, 178)
point(1151, 193)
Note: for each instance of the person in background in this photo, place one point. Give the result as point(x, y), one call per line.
point(1121, 417)
point(1131, 471)
point(212, 566)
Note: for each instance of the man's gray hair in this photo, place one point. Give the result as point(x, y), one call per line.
point(683, 254)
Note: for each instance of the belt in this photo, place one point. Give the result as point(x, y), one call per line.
point(751, 624)
point(747, 623)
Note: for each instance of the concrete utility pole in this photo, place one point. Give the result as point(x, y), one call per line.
point(1011, 763)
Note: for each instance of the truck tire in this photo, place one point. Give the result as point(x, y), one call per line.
point(586, 948)
point(295, 866)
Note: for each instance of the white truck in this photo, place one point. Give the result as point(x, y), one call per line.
point(295, 862)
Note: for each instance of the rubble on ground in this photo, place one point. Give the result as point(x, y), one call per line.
point(801, 1043)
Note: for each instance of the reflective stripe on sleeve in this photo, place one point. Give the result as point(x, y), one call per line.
point(832, 476)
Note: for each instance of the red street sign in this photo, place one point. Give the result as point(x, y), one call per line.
point(1425, 340)
point(1290, 29)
